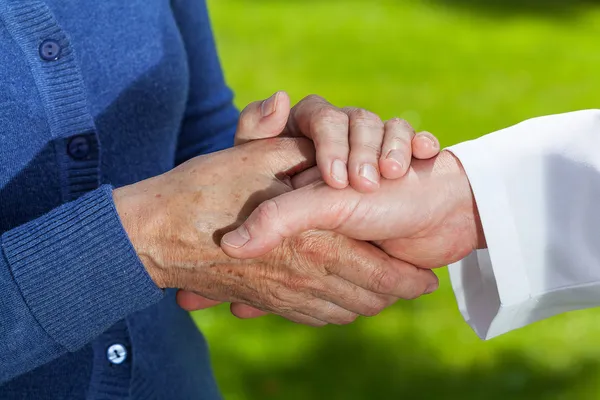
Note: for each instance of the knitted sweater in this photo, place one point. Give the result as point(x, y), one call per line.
point(95, 95)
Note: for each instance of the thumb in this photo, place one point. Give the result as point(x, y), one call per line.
point(311, 207)
point(263, 119)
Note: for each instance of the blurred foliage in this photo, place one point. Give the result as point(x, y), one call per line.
point(460, 69)
point(547, 8)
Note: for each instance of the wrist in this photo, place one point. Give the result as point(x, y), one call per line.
point(134, 211)
point(448, 165)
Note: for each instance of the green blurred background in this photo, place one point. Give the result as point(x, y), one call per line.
point(460, 69)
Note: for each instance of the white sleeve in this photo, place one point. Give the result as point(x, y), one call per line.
point(537, 188)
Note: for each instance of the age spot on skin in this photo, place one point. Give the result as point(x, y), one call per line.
point(244, 158)
point(158, 196)
point(235, 272)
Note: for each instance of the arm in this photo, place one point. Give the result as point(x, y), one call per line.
point(210, 117)
point(72, 273)
point(530, 191)
point(536, 185)
point(65, 278)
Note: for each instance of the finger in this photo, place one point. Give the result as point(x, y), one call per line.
point(328, 127)
point(353, 298)
point(300, 318)
point(366, 137)
point(326, 311)
point(315, 312)
point(425, 146)
point(245, 311)
point(312, 207)
point(375, 271)
point(263, 119)
point(190, 301)
point(305, 178)
point(396, 152)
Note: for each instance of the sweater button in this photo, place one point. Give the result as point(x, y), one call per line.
point(78, 147)
point(117, 354)
point(49, 50)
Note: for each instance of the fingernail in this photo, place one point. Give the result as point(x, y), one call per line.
point(237, 238)
point(339, 171)
point(396, 156)
point(369, 172)
point(269, 105)
point(429, 138)
point(432, 288)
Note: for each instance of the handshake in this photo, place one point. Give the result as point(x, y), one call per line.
point(318, 214)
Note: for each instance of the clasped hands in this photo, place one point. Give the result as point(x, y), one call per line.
point(318, 214)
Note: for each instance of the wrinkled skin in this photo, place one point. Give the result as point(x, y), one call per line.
point(175, 222)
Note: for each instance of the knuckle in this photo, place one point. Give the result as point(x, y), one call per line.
point(311, 98)
point(361, 113)
point(360, 116)
point(412, 291)
point(413, 294)
point(384, 280)
point(399, 123)
point(346, 319)
point(373, 308)
point(330, 115)
point(268, 210)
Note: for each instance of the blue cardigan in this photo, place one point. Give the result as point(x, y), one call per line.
point(96, 94)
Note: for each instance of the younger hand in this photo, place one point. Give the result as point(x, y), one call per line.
point(428, 218)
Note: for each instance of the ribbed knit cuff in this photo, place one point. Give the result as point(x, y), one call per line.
point(77, 269)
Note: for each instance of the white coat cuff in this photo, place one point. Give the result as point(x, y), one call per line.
point(491, 287)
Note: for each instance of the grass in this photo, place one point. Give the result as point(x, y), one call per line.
point(459, 69)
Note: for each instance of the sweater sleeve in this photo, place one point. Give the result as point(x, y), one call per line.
point(211, 117)
point(65, 278)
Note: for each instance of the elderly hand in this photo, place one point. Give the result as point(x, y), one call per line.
point(175, 222)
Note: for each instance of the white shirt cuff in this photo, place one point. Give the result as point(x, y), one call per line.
point(490, 299)
point(536, 186)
